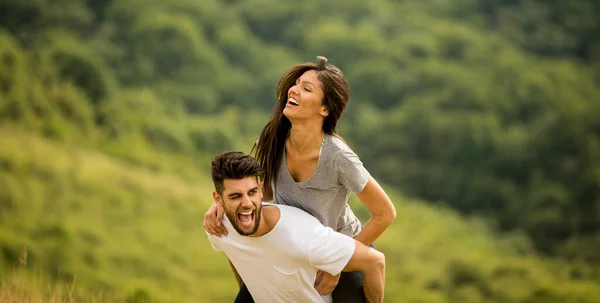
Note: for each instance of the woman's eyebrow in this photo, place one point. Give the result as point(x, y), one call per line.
point(306, 81)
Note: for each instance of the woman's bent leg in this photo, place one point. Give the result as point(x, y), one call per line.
point(349, 288)
point(244, 295)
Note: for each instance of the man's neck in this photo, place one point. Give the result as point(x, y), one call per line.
point(269, 216)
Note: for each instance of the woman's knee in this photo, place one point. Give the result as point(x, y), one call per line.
point(349, 288)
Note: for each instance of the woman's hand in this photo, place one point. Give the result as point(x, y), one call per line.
point(212, 220)
point(326, 283)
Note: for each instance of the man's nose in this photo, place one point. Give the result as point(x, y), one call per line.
point(246, 201)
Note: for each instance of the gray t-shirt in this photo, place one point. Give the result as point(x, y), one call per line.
point(325, 194)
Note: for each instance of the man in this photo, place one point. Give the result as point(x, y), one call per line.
point(276, 250)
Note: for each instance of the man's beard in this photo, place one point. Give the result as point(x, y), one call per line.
point(233, 218)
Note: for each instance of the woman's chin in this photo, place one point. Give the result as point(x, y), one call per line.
point(289, 113)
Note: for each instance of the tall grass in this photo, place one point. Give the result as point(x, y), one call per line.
point(25, 286)
point(97, 229)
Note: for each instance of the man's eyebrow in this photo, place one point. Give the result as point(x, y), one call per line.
point(254, 188)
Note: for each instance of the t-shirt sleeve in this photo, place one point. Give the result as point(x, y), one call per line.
point(350, 171)
point(213, 242)
point(329, 250)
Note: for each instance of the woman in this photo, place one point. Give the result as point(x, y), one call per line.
point(308, 165)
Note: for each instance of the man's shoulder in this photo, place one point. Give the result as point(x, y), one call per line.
point(291, 210)
point(214, 241)
point(296, 217)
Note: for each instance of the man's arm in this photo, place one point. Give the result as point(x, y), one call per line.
point(371, 263)
point(334, 252)
point(237, 276)
point(213, 242)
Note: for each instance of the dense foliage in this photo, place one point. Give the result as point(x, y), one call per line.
point(489, 107)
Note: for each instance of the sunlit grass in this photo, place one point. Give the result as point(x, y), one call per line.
point(28, 286)
point(114, 225)
point(92, 224)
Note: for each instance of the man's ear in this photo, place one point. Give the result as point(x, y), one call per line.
point(217, 198)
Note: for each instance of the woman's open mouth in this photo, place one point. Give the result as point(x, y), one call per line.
point(293, 102)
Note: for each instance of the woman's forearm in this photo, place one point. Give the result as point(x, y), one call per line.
point(374, 227)
point(382, 210)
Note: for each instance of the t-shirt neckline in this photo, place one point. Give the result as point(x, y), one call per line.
point(287, 172)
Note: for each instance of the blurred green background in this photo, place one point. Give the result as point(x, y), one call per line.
point(481, 118)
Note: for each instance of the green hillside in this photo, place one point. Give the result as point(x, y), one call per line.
point(487, 106)
point(134, 234)
point(481, 117)
point(115, 227)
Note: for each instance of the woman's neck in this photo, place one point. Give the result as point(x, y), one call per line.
point(305, 137)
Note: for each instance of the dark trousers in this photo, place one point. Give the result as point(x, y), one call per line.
point(243, 295)
point(348, 290)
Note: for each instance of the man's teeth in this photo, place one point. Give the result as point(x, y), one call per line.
point(245, 213)
point(293, 101)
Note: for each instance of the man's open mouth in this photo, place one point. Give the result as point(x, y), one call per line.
point(246, 218)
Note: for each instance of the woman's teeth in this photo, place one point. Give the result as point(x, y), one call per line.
point(293, 101)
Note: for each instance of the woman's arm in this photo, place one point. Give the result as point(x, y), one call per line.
point(212, 220)
point(381, 208)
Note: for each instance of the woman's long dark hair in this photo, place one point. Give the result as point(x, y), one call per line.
point(269, 147)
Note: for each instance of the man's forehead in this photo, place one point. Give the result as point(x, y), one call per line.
point(236, 185)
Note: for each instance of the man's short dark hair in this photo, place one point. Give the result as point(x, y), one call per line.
point(233, 165)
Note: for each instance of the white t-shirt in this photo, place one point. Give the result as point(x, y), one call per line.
point(281, 266)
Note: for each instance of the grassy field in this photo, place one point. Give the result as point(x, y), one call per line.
point(98, 229)
point(23, 287)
